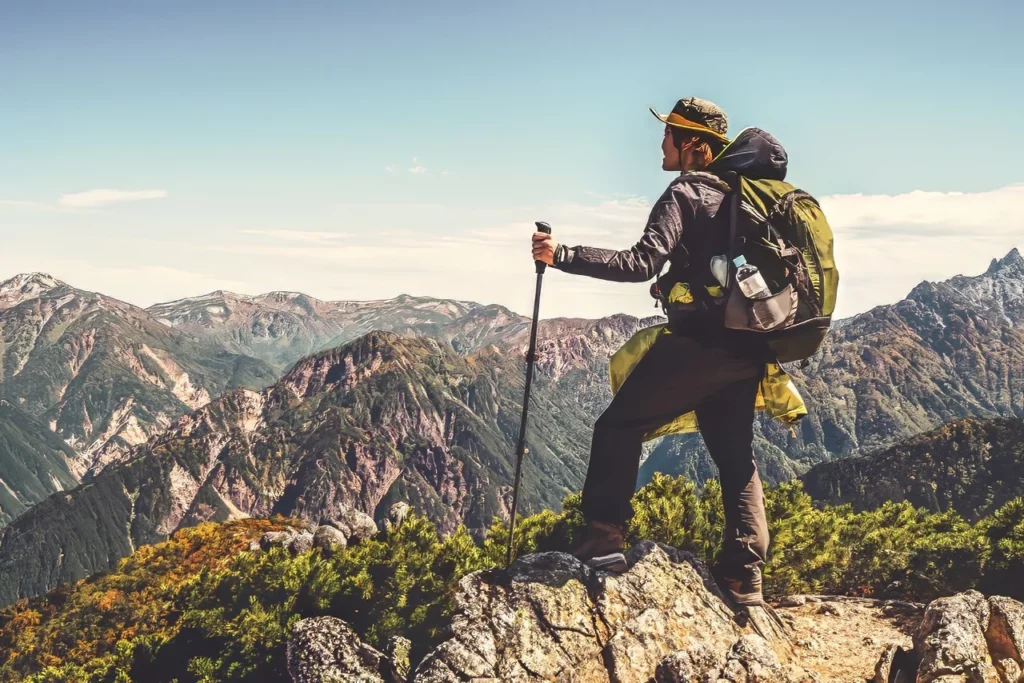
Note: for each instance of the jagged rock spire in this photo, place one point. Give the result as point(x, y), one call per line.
point(1013, 261)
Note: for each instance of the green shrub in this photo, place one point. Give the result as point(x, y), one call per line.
point(199, 608)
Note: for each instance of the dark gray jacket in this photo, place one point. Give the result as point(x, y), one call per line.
point(691, 199)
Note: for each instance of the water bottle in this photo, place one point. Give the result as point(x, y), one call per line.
point(749, 278)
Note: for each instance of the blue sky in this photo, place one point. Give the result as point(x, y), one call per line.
point(361, 150)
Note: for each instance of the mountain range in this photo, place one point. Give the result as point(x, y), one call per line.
point(380, 420)
point(281, 327)
point(420, 403)
point(102, 374)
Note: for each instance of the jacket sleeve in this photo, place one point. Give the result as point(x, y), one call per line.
point(644, 260)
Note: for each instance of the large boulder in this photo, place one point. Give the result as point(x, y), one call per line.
point(550, 618)
point(1005, 636)
point(281, 538)
point(357, 526)
point(950, 641)
point(689, 664)
point(301, 543)
point(964, 638)
point(751, 659)
point(323, 649)
point(329, 540)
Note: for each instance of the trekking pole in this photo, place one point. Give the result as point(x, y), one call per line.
point(530, 357)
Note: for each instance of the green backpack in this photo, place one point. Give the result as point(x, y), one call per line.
point(783, 231)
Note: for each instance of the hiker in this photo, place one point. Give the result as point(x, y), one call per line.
point(699, 366)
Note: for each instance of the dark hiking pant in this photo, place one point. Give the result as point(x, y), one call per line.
point(679, 374)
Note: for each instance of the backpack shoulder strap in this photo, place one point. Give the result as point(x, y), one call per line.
point(705, 178)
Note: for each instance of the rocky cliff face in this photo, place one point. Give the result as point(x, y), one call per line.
point(950, 349)
point(967, 637)
point(971, 466)
point(366, 425)
point(102, 374)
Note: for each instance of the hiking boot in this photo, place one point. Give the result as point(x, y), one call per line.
point(743, 589)
point(601, 547)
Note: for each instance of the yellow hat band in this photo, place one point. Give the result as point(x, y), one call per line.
point(678, 121)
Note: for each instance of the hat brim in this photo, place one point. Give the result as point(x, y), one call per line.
point(677, 121)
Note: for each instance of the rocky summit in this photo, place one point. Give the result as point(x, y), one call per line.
point(549, 618)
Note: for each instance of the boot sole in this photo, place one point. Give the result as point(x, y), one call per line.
point(614, 562)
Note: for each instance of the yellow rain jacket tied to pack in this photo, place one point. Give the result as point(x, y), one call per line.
point(777, 395)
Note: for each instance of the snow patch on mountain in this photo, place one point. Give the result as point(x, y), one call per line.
point(26, 286)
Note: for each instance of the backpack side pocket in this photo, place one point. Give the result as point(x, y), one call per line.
point(761, 315)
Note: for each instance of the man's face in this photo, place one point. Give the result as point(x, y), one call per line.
point(669, 152)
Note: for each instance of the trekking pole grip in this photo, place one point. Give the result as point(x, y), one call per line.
point(546, 229)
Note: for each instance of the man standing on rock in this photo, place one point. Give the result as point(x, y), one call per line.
point(697, 365)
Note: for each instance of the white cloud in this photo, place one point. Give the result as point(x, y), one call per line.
point(1001, 209)
point(485, 258)
point(300, 236)
point(885, 245)
point(104, 197)
point(417, 168)
point(162, 283)
point(629, 211)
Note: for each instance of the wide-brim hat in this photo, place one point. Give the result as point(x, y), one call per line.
point(700, 116)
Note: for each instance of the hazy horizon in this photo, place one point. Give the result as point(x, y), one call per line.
point(525, 313)
point(355, 152)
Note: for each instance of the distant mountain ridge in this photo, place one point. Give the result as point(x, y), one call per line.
point(281, 327)
point(936, 343)
point(101, 373)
